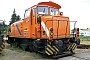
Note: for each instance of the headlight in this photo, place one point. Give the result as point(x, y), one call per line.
point(51, 29)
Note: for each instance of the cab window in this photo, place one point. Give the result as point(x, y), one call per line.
point(34, 12)
point(53, 11)
point(27, 13)
point(43, 10)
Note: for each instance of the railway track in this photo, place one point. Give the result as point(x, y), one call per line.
point(83, 46)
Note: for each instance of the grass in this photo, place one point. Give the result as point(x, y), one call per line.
point(84, 40)
point(14, 48)
point(26, 53)
point(22, 54)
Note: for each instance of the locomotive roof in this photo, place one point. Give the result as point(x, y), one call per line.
point(50, 4)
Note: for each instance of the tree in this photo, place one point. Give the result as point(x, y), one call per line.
point(14, 17)
point(2, 26)
point(18, 18)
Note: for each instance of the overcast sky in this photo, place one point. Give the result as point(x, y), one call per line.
point(76, 10)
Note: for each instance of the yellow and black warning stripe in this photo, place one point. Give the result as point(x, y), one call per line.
point(0, 49)
point(72, 46)
point(50, 50)
point(47, 52)
point(2, 46)
point(57, 50)
point(69, 46)
point(68, 41)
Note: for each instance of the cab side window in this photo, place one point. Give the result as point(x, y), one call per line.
point(34, 12)
point(27, 13)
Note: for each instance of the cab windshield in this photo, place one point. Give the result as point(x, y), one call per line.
point(43, 10)
point(53, 11)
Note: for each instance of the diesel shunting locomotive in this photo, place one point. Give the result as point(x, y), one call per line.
point(44, 29)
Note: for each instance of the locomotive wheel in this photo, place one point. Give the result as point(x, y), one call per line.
point(35, 46)
point(30, 47)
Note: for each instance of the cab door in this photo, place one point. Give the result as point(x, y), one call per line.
point(33, 24)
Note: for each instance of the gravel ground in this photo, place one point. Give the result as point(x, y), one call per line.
point(10, 53)
point(7, 54)
point(78, 51)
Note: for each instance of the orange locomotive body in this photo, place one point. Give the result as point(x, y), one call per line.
point(44, 29)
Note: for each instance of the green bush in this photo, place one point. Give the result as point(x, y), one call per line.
point(85, 38)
